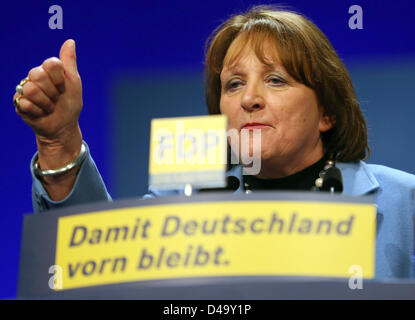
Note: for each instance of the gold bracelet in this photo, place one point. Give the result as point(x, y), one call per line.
point(55, 172)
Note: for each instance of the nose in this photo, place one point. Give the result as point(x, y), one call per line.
point(252, 98)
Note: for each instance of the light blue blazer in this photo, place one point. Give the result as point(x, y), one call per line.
point(394, 193)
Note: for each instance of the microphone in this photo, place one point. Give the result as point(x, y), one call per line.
point(232, 184)
point(332, 179)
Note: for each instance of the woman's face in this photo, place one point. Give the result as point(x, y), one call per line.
point(257, 96)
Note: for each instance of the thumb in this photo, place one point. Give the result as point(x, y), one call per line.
point(68, 57)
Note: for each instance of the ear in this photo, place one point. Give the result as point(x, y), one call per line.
point(326, 122)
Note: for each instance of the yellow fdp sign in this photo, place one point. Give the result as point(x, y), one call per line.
point(188, 150)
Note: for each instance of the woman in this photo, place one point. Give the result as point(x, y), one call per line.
point(268, 69)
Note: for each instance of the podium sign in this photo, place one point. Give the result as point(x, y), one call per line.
point(188, 150)
point(262, 234)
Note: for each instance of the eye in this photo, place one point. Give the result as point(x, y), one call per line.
point(275, 81)
point(233, 85)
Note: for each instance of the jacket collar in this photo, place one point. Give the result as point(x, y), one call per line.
point(357, 177)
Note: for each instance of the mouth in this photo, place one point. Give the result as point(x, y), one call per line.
point(254, 125)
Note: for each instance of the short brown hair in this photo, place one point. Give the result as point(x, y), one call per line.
point(307, 55)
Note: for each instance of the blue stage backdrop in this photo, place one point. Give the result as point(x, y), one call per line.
point(144, 59)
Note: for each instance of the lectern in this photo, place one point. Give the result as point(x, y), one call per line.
point(263, 245)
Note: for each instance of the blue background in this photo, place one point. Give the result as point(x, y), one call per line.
point(144, 59)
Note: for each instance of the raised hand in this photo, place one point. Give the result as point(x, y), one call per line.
point(50, 103)
point(52, 98)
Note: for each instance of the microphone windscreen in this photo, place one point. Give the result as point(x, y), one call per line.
point(232, 183)
point(332, 178)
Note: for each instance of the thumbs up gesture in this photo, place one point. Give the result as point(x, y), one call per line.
point(51, 100)
point(50, 103)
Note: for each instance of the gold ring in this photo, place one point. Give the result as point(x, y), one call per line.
point(16, 102)
point(19, 87)
point(24, 81)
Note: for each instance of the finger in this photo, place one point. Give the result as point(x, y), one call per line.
point(33, 93)
point(54, 68)
point(41, 78)
point(15, 96)
point(68, 56)
point(28, 108)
